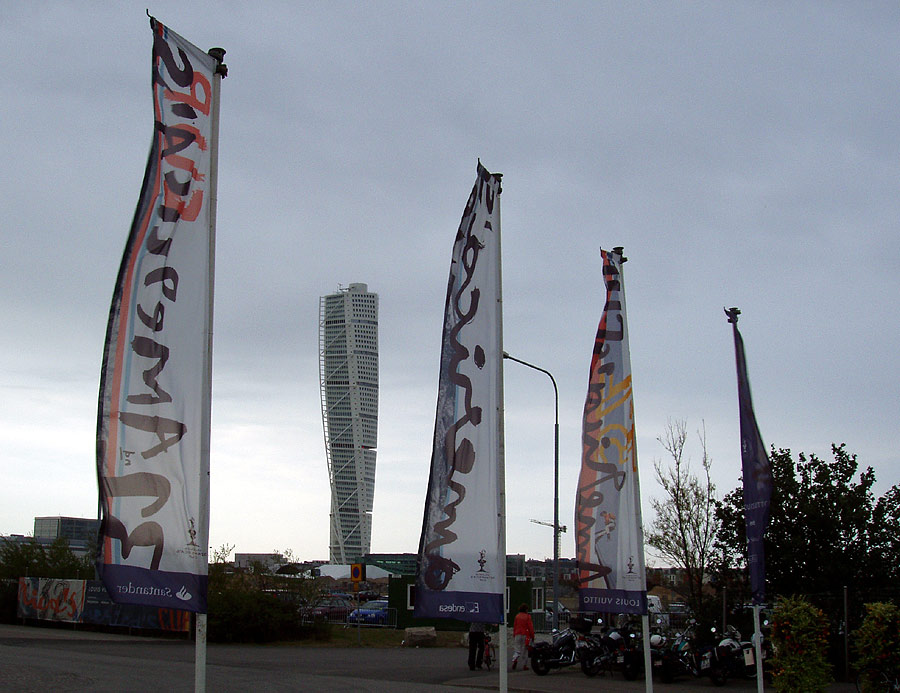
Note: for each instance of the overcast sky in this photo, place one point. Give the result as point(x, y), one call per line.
point(743, 153)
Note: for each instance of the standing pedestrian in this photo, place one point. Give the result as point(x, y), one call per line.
point(523, 634)
point(476, 645)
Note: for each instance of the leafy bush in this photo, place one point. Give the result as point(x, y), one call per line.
point(240, 613)
point(242, 608)
point(9, 599)
point(800, 637)
point(877, 641)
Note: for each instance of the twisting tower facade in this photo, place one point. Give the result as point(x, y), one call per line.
point(348, 376)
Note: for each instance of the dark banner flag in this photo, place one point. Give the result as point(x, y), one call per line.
point(461, 564)
point(153, 413)
point(756, 471)
point(609, 540)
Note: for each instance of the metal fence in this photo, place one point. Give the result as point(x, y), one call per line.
point(385, 619)
point(666, 621)
point(543, 622)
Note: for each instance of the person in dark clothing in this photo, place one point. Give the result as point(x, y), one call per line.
point(476, 645)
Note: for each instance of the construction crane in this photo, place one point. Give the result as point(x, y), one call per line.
point(562, 528)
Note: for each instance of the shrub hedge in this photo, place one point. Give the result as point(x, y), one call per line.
point(800, 638)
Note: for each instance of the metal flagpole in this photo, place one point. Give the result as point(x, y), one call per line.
point(645, 617)
point(648, 660)
point(757, 644)
point(501, 462)
point(221, 71)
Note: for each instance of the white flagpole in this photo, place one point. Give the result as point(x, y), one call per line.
point(757, 637)
point(200, 655)
point(648, 660)
point(645, 618)
point(221, 71)
point(501, 461)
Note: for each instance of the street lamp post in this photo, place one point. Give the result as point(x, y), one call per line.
point(556, 529)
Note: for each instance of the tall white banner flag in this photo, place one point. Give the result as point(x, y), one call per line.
point(461, 565)
point(152, 424)
point(609, 541)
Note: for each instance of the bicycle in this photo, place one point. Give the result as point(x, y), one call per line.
point(488, 652)
point(875, 680)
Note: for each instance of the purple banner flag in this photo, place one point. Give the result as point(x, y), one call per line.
point(756, 471)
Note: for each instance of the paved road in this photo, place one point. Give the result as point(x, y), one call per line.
point(44, 659)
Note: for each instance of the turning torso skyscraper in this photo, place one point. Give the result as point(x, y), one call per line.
point(348, 376)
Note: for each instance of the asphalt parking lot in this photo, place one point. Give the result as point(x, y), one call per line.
point(45, 659)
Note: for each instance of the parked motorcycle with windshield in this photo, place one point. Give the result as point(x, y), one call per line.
point(629, 648)
point(601, 651)
point(681, 657)
point(742, 662)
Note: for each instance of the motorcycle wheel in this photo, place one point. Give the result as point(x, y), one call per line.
point(539, 664)
point(630, 671)
point(665, 672)
point(719, 676)
point(591, 666)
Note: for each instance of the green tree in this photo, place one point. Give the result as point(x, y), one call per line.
point(685, 523)
point(31, 558)
point(21, 559)
point(826, 529)
point(884, 537)
point(63, 563)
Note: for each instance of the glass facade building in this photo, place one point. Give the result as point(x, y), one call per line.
point(80, 529)
point(348, 375)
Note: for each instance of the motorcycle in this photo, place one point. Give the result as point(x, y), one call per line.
point(742, 661)
point(599, 652)
point(682, 658)
point(565, 648)
point(629, 654)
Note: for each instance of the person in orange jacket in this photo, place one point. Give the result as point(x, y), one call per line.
point(523, 634)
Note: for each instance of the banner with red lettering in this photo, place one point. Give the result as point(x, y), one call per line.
point(49, 599)
point(152, 424)
point(86, 601)
point(461, 563)
point(609, 542)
